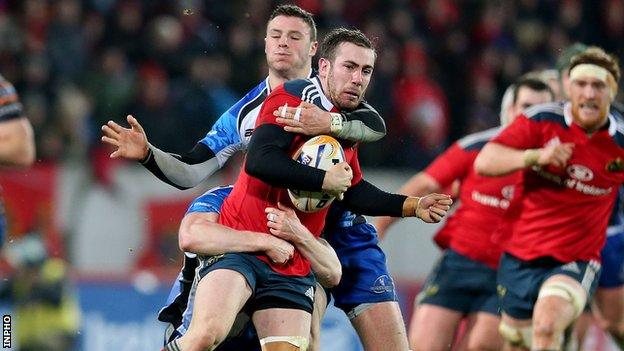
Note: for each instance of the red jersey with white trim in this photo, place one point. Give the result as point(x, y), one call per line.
point(482, 200)
point(244, 208)
point(564, 212)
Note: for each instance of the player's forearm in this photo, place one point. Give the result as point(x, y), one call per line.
point(268, 161)
point(497, 160)
point(208, 238)
point(363, 124)
point(365, 198)
point(17, 144)
point(323, 260)
point(182, 172)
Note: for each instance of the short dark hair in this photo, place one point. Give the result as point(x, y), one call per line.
point(343, 35)
point(295, 11)
point(597, 56)
point(532, 83)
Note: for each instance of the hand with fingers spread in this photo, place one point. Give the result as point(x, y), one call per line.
point(307, 119)
point(431, 208)
point(131, 143)
point(555, 155)
point(284, 223)
point(338, 179)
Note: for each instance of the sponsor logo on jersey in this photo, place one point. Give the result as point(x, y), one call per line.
point(508, 192)
point(248, 132)
point(383, 284)
point(580, 172)
point(489, 200)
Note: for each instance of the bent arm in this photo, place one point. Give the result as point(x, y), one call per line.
point(496, 160)
point(182, 171)
point(365, 198)
point(201, 234)
point(17, 142)
point(267, 160)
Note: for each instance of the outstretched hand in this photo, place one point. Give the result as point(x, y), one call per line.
point(433, 207)
point(130, 143)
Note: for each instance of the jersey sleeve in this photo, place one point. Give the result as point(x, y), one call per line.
point(523, 133)
point(210, 201)
point(453, 164)
point(223, 134)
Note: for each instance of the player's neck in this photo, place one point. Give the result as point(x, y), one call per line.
point(278, 78)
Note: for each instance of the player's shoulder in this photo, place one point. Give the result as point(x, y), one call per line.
point(252, 99)
point(476, 141)
point(547, 112)
point(307, 90)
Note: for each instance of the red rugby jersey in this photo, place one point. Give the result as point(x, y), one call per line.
point(244, 208)
point(482, 200)
point(564, 211)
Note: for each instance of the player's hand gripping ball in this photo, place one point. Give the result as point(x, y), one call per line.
point(319, 152)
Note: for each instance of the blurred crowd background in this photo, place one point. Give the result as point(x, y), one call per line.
point(177, 65)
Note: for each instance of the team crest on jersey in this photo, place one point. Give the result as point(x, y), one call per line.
point(616, 165)
point(383, 284)
point(580, 172)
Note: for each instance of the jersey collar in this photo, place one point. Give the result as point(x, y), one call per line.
point(327, 105)
point(311, 74)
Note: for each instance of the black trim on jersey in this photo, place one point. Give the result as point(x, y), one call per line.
point(250, 106)
point(268, 161)
point(365, 198)
point(550, 117)
point(200, 153)
point(11, 116)
point(476, 146)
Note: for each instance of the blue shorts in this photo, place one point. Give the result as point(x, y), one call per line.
point(365, 277)
point(461, 284)
point(612, 273)
point(519, 281)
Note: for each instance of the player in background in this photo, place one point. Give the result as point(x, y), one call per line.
point(608, 301)
point(570, 155)
point(281, 312)
point(463, 283)
point(17, 141)
point(371, 307)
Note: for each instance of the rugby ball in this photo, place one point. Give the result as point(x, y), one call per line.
point(321, 152)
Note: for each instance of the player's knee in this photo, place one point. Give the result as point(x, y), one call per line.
point(521, 337)
point(210, 335)
point(284, 343)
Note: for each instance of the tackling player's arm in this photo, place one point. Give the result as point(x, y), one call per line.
point(283, 223)
point(201, 234)
point(364, 124)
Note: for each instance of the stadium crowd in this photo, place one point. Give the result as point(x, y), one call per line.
point(177, 65)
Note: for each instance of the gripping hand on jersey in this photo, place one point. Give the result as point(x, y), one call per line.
point(430, 209)
point(307, 119)
point(131, 143)
point(278, 250)
point(284, 224)
point(338, 179)
point(556, 155)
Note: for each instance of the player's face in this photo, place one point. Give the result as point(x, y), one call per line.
point(348, 76)
point(590, 99)
point(526, 98)
point(288, 46)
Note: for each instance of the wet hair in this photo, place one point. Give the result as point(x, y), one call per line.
point(533, 84)
point(295, 11)
point(597, 56)
point(338, 36)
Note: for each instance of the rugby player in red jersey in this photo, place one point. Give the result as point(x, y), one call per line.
point(463, 283)
point(279, 297)
point(572, 160)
